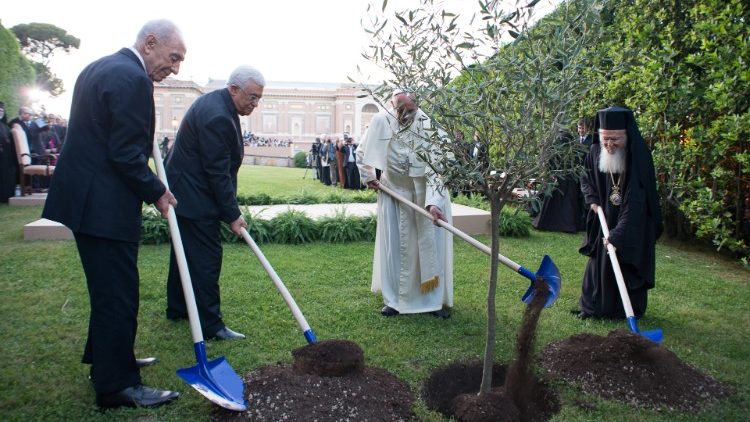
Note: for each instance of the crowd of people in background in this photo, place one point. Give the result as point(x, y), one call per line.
point(45, 135)
point(335, 162)
point(252, 140)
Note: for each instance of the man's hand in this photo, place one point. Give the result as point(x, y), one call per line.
point(373, 184)
point(237, 225)
point(594, 207)
point(162, 204)
point(436, 213)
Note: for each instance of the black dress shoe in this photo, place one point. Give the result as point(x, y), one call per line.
point(388, 311)
point(138, 395)
point(442, 313)
point(146, 362)
point(227, 334)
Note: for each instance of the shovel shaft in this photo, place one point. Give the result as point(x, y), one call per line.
point(618, 272)
point(179, 251)
point(473, 242)
point(309, 335)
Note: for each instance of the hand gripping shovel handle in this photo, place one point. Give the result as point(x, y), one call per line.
point(654, 335)
point(308, 332)
point(477, 244)
point(216, 379)
point(547, 269)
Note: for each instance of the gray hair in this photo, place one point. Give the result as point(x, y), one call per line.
point(243, 74)
point(162, 29)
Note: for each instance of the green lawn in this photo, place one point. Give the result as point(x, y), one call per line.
point(701, 302)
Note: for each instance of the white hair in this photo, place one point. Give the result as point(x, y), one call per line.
point(243, 74)
point(162, 29)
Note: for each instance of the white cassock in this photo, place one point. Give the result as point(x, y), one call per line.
point(409, 248)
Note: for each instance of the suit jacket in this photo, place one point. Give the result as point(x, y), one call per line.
point(102, 176)
point(205, 158)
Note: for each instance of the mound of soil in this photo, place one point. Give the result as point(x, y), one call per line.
point(279, 393)
point(329, 358)
point(628, 367)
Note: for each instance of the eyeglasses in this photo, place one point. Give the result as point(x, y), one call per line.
point(254, 99)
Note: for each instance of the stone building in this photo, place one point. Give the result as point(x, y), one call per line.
point(293, 111)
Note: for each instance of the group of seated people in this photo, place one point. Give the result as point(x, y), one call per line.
point(256, 141)
point(335, 162)
point(45, 135)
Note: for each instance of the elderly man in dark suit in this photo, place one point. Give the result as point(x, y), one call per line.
point(202, 170)
point(100, 183)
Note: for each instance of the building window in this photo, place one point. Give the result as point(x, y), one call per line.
point(270, 124)
point(323, 124)
point(369, 108)
point(177, 99)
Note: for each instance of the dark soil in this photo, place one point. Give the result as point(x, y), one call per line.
point(327, 382)
point(628, 367)
point(329, 358)
point(517, 395)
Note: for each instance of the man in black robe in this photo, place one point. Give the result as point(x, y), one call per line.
point(620, 178)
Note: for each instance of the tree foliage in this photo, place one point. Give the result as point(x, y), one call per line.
point(15, 71)
point(511, 84)
point(40, 41)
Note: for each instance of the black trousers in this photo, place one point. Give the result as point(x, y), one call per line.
point(201, 240)
point(352, 176)
point(111, 269)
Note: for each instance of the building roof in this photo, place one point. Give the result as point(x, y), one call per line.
point(176, 83)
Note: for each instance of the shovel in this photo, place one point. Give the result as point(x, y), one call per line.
point(215, 379)
point(547, 269)
point(655, 335)
point(308, 332)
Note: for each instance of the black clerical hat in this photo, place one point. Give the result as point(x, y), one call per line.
point(614, 118)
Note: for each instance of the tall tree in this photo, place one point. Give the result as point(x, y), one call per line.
point(40, 41)
point(511, 83)
point(15, 72)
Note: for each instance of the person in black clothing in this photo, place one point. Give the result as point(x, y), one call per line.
point(101, 181)
point(561, 210)
point(619, 178)
point(8, 159)
point(202, 169)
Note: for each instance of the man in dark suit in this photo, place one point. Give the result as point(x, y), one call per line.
point(202, 170)
point(101, 180)
point(349, 151)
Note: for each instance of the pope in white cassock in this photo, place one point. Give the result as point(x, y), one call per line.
point(413, 260)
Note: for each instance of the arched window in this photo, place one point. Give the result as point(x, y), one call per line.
point(370, 108)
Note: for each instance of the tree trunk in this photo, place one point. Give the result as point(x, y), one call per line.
point(489, 348)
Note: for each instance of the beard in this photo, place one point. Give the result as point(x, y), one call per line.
point(612, 163)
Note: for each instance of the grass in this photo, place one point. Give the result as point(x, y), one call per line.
point(701, 302)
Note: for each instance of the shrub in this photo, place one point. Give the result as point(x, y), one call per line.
point(514, 222)
point(154, 228)
point(300, 160)
point(340, 228)
point(293, 227)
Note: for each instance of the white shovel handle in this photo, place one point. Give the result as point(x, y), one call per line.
point(179, 251)
point(477, 244)
point(615, 266)
point(277, 281)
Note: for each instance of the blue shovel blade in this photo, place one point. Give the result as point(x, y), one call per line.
point(549, 272)
point(656, 335)
point(218, 382)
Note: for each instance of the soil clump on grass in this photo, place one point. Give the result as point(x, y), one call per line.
point(628, 367)
point(328, 381)
point(516, 394)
